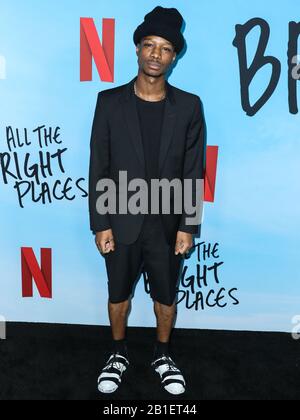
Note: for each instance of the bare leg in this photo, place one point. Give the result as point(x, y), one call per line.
point(118, 318)
point(165, 316)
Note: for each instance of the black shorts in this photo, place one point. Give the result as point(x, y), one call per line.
point(150, 253)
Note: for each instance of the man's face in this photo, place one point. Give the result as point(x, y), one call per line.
point(155, 55)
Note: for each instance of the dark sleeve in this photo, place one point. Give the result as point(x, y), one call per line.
point(99, 164)
point(194, 161)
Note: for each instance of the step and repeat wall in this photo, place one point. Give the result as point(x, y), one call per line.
point(241, 58)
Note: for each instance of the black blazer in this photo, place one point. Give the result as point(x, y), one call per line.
point(116, 144)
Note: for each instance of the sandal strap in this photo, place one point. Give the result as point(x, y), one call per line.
point(160, 362)
point(117, 381)
point(119, 359)
point(170, 373)
point(112, 370)
point(172, 381)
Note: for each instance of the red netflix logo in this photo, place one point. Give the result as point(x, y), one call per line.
point(31, 270)
point(91, 47)
point(210, 173)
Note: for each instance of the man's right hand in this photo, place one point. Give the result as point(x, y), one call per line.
point(105, 241)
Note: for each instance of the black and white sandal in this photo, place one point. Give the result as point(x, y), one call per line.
point(170, 376)
point(111, 374)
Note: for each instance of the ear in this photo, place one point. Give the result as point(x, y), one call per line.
point(137, 49)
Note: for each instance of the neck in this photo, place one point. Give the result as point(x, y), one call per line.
point(150, 88)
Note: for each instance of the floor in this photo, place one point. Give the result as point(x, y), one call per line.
point(63, 362)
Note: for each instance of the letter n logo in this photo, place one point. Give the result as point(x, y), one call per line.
point(91, 47)
point(210, 173)
point(42, 275)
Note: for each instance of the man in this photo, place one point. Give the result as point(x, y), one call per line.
point(150, 130)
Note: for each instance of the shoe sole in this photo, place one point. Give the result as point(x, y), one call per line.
point(174, 393)
point(106, 391)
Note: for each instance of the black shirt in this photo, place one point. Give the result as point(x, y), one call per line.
point(150, 116)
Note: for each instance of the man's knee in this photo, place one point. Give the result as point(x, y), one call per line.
point(165, 310)
point(119, 307)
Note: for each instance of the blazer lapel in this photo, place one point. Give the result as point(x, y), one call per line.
point(168, 125)
point(133, 125)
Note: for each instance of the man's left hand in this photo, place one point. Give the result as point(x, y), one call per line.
point(184, 242)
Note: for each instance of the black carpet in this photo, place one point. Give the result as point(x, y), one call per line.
point(60, 362)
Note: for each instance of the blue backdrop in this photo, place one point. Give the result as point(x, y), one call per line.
point(255, 217)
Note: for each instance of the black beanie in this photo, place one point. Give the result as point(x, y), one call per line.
point(164, 22)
